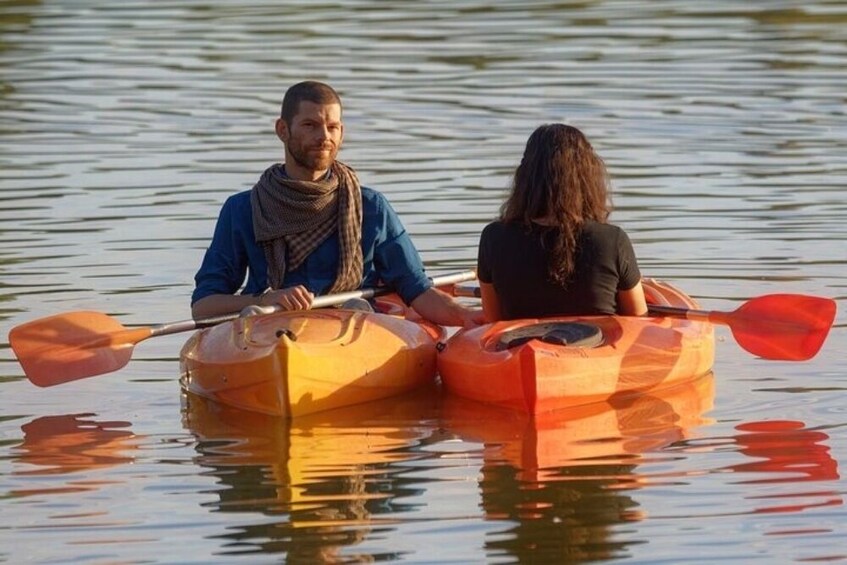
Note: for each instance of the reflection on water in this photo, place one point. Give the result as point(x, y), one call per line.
point(553, 489)
point(785, 451)
point(564, 482)
point(780, 452)
point(785, 448)
point(328, 481)
point(71, 444)
point(324, 479)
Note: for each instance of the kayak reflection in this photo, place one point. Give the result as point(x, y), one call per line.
point(561, 481)
point(323, 478)
point(327, 481)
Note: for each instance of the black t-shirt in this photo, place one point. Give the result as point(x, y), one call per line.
point(514, 258)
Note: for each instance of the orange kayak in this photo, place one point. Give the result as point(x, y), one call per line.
point(295, 363)
point(537, 366)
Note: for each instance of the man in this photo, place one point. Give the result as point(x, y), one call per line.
point(308, 227)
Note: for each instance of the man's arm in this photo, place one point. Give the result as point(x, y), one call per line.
point(399, 265)
point(294, 298)
point(442, 309)
point(224, 264)
point(220, 304)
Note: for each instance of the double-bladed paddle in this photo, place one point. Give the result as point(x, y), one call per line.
point(785, 327)
point(76, 345)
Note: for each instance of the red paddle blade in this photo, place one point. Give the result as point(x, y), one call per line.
point(790, 327)
point(72, 346)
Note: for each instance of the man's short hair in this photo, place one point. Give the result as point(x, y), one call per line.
point(313, 91)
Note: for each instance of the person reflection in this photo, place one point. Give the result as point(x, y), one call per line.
point(561, 482)
point(318, 481)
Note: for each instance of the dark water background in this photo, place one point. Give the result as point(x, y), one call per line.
point(123, 127)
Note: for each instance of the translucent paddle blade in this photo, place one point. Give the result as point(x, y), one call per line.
point(72, 346)
point(790, 327)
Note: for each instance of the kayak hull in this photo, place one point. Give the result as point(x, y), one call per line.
point(295, 363)
point(637, 354)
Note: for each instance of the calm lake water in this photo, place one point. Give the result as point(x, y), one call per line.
point(124, 126)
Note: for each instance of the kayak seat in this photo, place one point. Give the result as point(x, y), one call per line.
point(570, 334)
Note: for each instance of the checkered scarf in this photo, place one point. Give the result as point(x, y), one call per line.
point(292, 218)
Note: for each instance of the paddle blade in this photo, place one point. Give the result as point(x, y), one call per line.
point(72, 346)
point(790, 327)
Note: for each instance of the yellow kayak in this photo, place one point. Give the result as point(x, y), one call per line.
point(295, 363)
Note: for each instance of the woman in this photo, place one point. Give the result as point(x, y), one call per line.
point(551, 252)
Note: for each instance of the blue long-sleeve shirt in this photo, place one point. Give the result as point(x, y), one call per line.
point(389, 256)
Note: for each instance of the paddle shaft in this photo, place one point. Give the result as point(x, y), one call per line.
point(468, 291)
point(325, 301)
point(688, 314)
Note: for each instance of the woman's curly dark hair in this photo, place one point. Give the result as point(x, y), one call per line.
point(561, 183)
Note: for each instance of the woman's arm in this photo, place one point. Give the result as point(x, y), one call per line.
point(490, 302)
point(632, 302)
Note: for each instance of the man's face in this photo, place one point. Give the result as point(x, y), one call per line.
point(313, 138)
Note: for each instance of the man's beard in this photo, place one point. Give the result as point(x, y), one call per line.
point(310, 161)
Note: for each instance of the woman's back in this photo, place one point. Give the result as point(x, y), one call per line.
point(514, 258)
point(552, 252)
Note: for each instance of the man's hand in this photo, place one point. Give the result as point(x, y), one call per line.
point(292, 298)
point(473, 318)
